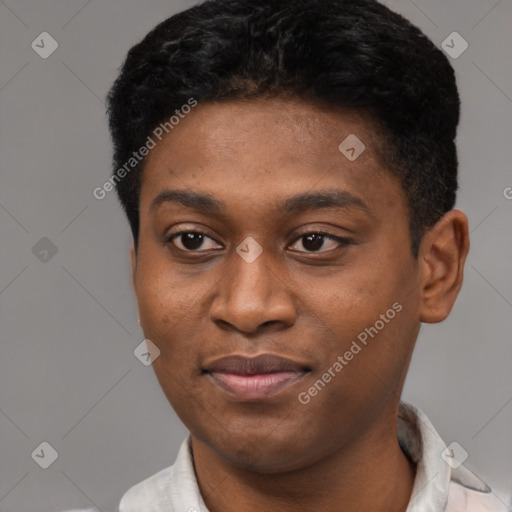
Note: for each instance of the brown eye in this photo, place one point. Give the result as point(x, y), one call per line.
point(191, 241)
point(315, 241)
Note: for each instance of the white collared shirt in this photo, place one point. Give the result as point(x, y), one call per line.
point(442, 484)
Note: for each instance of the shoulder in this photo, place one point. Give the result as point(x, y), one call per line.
point(82, 510)
point(151, 492)
point(170, 490)
point(467, 493)
point(462, 499)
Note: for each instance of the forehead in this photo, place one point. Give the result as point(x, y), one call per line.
point(250, 153)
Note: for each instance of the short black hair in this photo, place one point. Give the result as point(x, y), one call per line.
point(354, 54)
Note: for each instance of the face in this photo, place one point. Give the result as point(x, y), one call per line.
point(276, 278)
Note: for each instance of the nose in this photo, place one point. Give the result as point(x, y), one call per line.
point(253, 296)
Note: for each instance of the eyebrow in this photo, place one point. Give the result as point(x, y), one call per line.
point(201, 202)
point(324, 199)
point(327, 199)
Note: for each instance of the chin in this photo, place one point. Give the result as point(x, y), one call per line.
point(264, 454)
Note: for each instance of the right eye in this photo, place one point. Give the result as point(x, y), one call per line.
point(190, 241)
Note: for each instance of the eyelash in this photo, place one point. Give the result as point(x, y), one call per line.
point(343, 242)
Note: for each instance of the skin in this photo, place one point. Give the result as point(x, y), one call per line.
point(339, 451)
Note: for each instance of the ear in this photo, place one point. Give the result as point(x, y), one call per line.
point(442, 256)
point(133, 262)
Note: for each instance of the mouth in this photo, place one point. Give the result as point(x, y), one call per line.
point(255, 378)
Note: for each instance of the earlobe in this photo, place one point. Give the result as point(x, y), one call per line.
point(443, 254)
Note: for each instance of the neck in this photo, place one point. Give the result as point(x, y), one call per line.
point(372, 473)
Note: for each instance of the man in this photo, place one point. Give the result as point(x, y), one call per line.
point(289, 172)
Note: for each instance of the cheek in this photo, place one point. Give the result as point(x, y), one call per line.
point(370, 306)
point(355, 297)
point(162, 302)
point(174, 316)
point(156, 288)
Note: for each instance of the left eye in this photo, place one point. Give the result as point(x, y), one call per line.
point(313, 242)
point(190, 240)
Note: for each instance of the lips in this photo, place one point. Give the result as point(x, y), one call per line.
point(254, 378)
point(262, 364)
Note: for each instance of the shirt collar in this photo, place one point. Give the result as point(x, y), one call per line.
point(421, 442)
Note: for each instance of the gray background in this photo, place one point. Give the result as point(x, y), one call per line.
point(68, 375)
